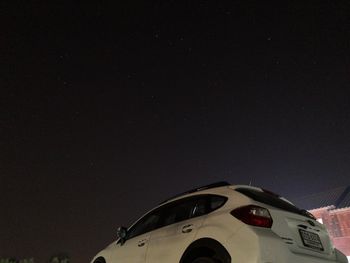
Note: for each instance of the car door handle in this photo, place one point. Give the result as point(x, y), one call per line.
point(141, 243)
point(187, 228)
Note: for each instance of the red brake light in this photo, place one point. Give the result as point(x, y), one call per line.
point(253, 215)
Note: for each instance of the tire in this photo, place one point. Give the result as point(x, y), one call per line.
point(204, 260)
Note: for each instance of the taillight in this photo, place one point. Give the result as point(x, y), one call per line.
point(253, 215)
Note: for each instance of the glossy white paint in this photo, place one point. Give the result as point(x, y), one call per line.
point(244, 243)
point(169, 243)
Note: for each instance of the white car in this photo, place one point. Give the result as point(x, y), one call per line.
point(222, 223)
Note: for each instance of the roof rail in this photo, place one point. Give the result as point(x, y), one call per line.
point(204, 187)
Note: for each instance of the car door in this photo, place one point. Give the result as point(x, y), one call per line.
point(133, 248)
point(132, 251)
point(179, 223)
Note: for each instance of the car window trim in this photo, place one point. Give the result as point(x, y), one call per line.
point(166, 205)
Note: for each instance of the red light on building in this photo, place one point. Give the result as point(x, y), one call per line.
point(332, 208)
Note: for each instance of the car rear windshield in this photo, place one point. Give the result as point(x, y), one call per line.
point(274, 200)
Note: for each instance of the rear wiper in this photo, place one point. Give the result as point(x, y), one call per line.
point(307, 213)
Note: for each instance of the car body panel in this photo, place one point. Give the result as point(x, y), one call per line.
point(134, 250)
point(167, 244)
point(244, 243)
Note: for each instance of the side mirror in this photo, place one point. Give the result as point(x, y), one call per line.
point(121, 234)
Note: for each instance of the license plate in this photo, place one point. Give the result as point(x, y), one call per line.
point(311, 240)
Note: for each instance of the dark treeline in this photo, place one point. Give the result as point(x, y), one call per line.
point(58, 258)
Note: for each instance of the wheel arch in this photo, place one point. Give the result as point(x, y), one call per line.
point(99, 259)
point(206, 247)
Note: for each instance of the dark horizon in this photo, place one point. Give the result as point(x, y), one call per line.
point(109, 109)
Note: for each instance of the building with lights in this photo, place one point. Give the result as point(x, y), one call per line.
point(332, 208)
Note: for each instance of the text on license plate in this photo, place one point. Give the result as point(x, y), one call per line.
point(311, 240)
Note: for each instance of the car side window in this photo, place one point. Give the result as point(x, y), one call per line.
point(146, 224)
point(177, 211)
point(200, 207)
point(216, 202)
point(207, 203)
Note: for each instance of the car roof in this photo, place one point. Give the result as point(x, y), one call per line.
point(198, 189)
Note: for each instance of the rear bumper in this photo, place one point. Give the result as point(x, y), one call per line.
point(258, 245)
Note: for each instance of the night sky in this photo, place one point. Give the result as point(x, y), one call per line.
point(108, 109)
